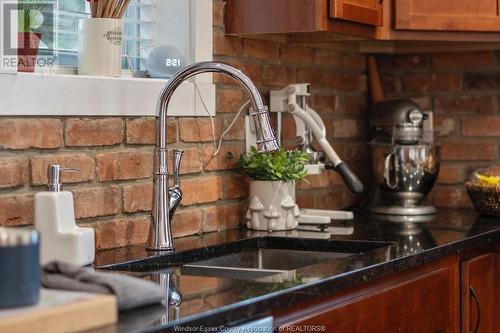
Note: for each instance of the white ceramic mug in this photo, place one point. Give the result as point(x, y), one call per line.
point(100, 47)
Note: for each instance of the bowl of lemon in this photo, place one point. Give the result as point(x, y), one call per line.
point(483, 188)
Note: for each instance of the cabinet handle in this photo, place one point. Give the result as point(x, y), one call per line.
point(476, 300)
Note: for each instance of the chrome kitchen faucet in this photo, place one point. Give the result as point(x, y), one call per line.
point(165, 200)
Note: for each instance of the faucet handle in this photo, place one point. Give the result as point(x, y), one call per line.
point(177, 165)
point(175, 192)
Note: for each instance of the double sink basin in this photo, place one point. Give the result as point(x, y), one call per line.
point(263, 259)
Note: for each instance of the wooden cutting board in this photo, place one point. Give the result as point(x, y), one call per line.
point(61, 311)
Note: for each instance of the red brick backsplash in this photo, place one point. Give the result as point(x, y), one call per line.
point(98, 201)
point(124, 165)
point(16, 209)
point(462, 89)
point(13, 171)
point(93, 132)
point(17, 133)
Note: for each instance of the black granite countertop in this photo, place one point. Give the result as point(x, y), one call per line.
point(216, 301)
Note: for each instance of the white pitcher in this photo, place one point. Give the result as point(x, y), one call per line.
point(100, 47)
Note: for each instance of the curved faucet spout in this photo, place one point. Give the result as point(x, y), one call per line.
point(160, 235)
point(199, 68)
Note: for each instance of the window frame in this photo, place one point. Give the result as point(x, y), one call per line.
point(39, 94)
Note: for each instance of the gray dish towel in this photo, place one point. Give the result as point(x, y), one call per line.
point(130, 292)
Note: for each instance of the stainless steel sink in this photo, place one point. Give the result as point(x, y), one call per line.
point(262, 264)
point(266, 259)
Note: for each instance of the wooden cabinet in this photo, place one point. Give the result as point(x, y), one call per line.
point(457, 15)
point(258, 17)
point(420, 300)
point(362, 21)
point(455, 294)
point(480, 288)
point(361, 11)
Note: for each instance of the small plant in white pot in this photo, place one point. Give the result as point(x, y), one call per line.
point(272, 188)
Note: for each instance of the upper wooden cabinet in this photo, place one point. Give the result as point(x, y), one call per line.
point(361, 11)
point(312, 21)
point(244, 17)
point(456, 15)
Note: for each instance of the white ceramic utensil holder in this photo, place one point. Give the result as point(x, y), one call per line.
point(100, 47)
point(272, 206)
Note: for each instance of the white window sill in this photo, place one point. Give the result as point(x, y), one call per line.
point(73, 95)
point(38, 94)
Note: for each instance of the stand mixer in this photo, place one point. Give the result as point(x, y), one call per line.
point(405, 161)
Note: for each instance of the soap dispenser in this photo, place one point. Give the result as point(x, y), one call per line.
point(60, 238)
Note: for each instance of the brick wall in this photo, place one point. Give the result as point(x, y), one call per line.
point(113, 191)
point(463, 90)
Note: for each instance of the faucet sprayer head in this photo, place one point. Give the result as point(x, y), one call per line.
point(266, 140)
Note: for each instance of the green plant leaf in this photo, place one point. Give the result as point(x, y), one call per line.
point(37, 16)
point(281, 165)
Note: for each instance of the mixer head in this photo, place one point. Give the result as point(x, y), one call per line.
point(398, 120)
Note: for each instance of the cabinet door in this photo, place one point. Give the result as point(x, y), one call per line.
point(427, 303)
point(361, 11)
point(456, 15)
point(479, 290)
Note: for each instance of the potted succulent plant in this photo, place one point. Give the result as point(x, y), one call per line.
point(272, 188)
point(33, 26)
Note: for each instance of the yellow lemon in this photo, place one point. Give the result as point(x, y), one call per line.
point(488, 180)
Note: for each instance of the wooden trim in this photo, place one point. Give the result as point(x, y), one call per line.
point(497, 287)
point(342, 9)
point(362, 15)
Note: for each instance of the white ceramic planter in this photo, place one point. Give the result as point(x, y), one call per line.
point(272, 206)
point(100, 47)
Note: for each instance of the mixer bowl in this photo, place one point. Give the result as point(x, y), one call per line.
point(404, 174)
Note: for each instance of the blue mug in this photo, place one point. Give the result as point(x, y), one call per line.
point(19, 267)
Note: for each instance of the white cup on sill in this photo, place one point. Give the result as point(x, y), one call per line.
point(100, 47)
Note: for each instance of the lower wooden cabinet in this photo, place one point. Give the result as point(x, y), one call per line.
point(426, 301)
point(455, 294)
point(480, 288)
